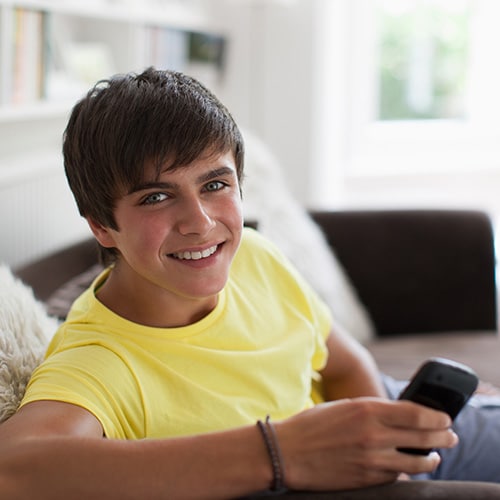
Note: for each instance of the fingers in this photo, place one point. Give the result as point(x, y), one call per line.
point(377, 423)
point(407, 414)
point(359, 439)
point(428, 439)
point(426, 463)
point(383, 424)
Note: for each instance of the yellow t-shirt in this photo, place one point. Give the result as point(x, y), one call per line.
point(255, 354)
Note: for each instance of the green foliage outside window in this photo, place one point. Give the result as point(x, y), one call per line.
point(423, 58)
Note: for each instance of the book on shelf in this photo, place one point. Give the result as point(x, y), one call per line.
point(166, 48)
point(196, 53)
point(28, 56)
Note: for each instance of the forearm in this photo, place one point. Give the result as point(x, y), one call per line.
point(219, 465)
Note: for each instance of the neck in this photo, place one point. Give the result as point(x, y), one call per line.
point(151, 305)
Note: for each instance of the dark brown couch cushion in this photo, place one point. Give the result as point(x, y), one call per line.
point(418, 271)
point(59, 302)
point(48, 273)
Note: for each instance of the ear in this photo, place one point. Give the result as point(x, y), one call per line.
point(103, 234)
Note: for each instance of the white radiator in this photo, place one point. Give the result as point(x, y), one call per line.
point(37, 211)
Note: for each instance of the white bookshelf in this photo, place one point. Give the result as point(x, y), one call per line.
point(51, 51)
point(186, 14)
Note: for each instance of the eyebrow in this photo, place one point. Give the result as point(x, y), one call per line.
point(205, 177)
point(213, 174)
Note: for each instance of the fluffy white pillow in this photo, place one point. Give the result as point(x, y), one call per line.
point(267, 200)
point(25, 329)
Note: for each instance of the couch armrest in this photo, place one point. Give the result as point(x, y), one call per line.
point(407, 490)
point(418, 271)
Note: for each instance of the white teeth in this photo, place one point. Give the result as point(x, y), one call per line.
point(196, 255)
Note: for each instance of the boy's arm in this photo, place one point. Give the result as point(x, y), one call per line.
point(56, 451)
point(350, 370)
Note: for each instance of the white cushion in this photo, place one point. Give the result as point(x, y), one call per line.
point(268, 201)
point(25, 328)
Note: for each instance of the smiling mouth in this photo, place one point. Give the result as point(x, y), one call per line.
point(195, 255)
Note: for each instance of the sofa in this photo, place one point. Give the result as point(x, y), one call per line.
point(426, 278)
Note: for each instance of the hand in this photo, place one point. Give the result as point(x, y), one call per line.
point(352, 443)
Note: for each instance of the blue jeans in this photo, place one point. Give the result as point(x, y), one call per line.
point(477, 455)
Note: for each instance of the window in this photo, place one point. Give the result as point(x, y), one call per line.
point(424, 86)
point(423, 55)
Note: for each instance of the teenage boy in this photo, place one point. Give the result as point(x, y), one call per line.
point(197, 330)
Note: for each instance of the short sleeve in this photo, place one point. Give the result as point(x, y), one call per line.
point(93, 378)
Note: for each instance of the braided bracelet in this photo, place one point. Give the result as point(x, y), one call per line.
point(270, 439)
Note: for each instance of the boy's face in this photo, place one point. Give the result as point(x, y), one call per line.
point(178, 234)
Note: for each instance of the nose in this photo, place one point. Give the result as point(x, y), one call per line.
point(194, 217)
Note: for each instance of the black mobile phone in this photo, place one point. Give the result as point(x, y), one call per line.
point(441, 384)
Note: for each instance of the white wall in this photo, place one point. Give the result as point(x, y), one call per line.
point(268, 84)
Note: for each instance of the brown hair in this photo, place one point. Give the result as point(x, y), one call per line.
point(133, 119)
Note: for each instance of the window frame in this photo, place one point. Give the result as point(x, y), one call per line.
point(374, 147)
